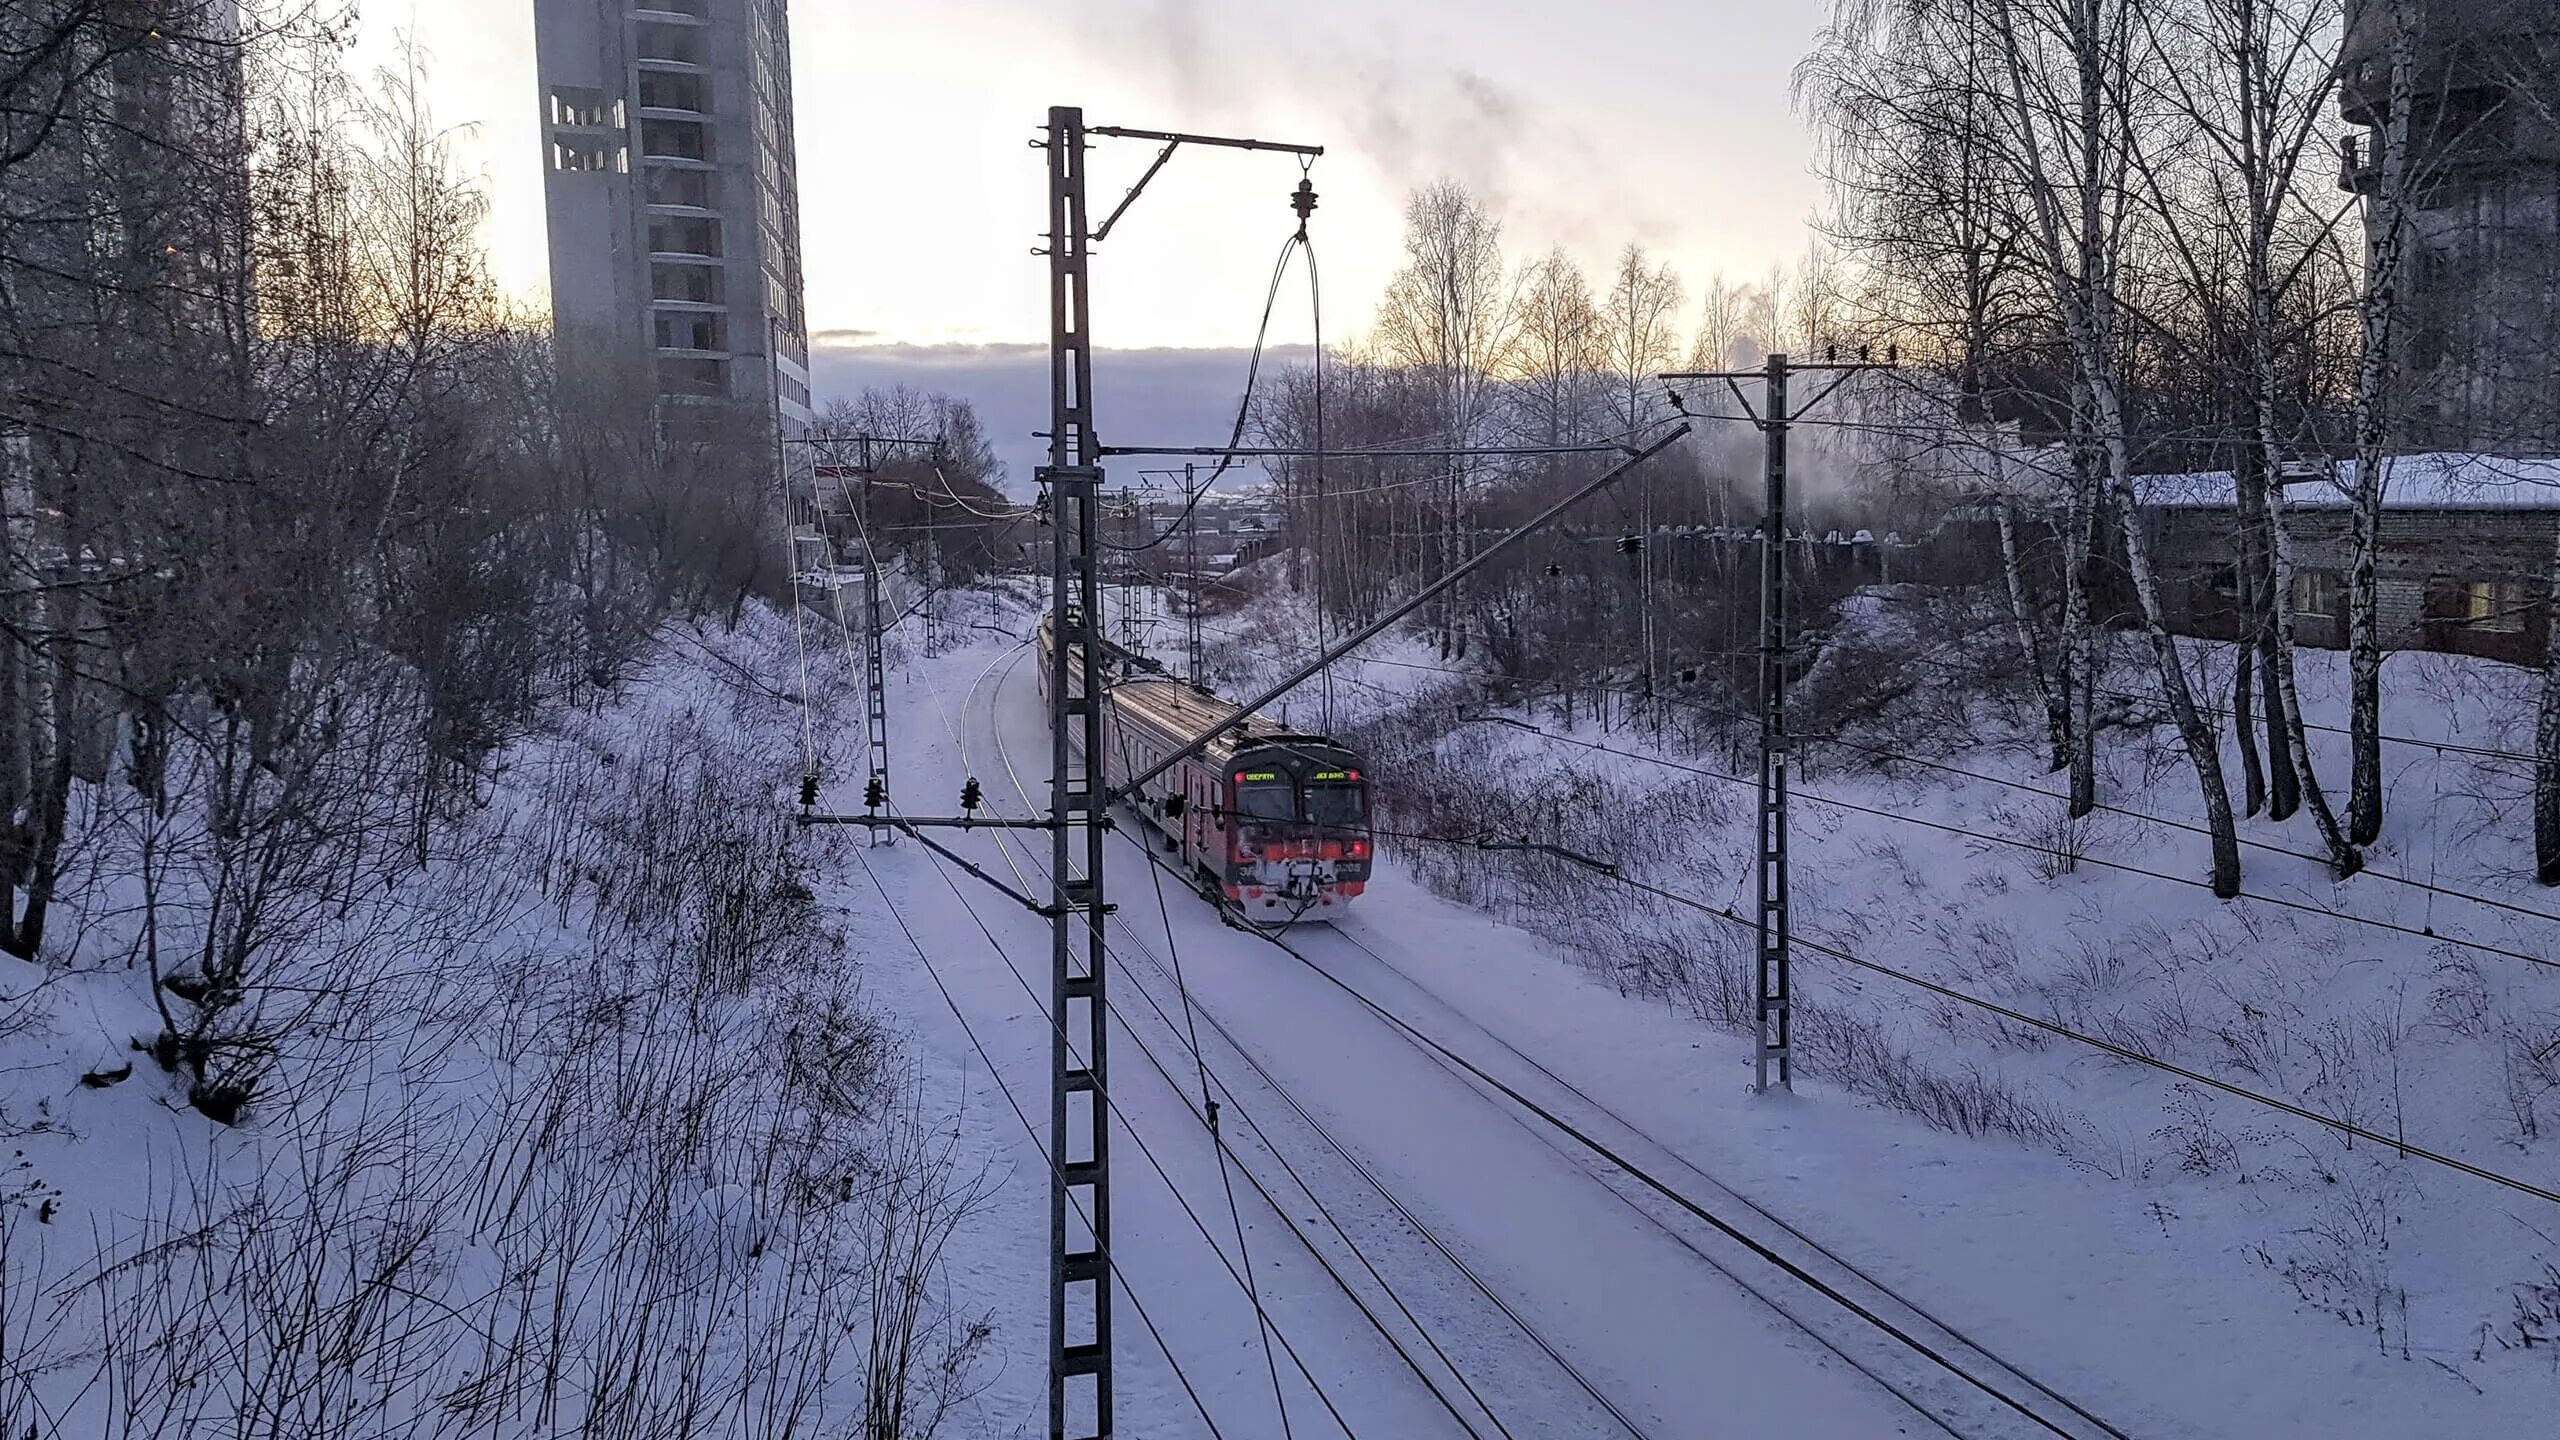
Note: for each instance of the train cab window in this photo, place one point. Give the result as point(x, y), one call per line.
point(1274, 799)
point(1338, 806)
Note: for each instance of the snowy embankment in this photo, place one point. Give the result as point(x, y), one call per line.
point(2409, 1002)
point(582, 1126)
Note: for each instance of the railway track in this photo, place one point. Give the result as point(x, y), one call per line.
point(1949, 1380)
point(1659, 1177)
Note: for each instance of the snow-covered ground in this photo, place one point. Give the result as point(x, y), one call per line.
point(1480, 1177)
point(2174, 1261)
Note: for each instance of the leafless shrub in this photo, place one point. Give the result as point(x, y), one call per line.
point(2340, 1262)
point(2534, 1323)
point(2461, 1002)
point(2529, 1065)
point(2202, 1147)
point(2056, 841)
point(2110, 1153)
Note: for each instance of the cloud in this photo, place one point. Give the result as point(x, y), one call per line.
point(1141, 397)
point(1391, 97)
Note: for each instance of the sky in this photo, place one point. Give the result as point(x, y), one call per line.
point(1588, 125)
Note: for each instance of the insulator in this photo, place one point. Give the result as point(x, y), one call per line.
point(808, 792)
point(971, 797)
point(1554, 570)
point(876, 793)
point(1303, 200)
point(1630, 544)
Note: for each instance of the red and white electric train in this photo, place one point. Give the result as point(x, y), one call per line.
point(1272, 821)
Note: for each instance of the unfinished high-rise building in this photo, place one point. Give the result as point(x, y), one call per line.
point(673, 197)
point(2478, 338)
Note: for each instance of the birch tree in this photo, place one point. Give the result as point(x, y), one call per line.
point(1641, 340)
point(2387, 204)
point(2069, 129)
point(2249, 86)
point(1924, 201)
point(2530, 71)
point(1449, 314)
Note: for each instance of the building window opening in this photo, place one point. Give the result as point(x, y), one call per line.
point(588, 153)
point(2319, 592)
point(680, 235)
point(692, 377)
point(672, 90)
point(680, 43)
point(699, 284)
point(2494, 605)
point(584, 108)
point(690, 332)
point(668, 185)
point(675, 139)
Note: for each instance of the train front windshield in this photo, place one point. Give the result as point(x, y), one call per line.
point(1272, 801)
point(1336, 806)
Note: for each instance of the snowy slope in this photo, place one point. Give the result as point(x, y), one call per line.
point(586, 1126)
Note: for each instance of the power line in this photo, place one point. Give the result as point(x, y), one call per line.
point(997, 1075)
point(2122, 1052)
point(1005, 850)
point(2415, 742)
point(1359, 1167)
point(1851, 806)
point(1244, 406)
point(2343, 1127)
point(1209, 1112)
point(1725, 1227)
point(1902, 757)
point(1104, 1102)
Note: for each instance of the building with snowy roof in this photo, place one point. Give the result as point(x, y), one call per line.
point(2467, 552)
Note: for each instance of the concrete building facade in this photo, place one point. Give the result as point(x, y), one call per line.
point(672, 187)
point(2481, 288)
point(2463, 565)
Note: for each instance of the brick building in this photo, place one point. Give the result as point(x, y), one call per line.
point(2466, 560)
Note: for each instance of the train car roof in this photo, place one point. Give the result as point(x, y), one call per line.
point(1183, 712)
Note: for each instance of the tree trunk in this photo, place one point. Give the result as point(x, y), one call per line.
point(2280, 795)
point(2388, 225)
point(2204, 750)
point(49, 755)
point(2546, 742)
point(2079, 632)
point(2364, 659)
point(2253, 776)
point(2344, 860)
point(2054, 689)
